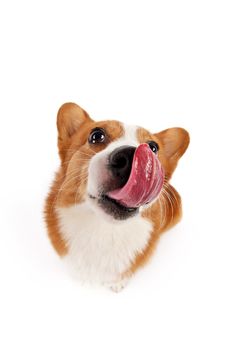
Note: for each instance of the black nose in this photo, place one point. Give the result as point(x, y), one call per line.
point(120, 162)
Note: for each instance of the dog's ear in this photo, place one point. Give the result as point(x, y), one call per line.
point(70, 118)
point(174, 143)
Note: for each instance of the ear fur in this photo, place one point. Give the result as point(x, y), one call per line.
point(70, 118)
point(174, 143)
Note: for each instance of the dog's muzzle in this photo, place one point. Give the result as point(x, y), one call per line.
point(139, 174)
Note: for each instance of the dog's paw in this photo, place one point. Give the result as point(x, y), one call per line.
point(117, 286)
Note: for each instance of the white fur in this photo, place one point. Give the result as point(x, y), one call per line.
point(99, 250)
point(97, 172)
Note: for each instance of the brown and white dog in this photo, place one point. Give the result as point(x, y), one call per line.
point(111, 198)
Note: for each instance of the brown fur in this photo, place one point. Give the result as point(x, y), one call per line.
point(167, 210)
point(68, 188)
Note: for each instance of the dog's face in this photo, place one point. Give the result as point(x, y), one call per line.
point(117, 169)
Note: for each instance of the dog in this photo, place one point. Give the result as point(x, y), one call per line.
point(111, 198)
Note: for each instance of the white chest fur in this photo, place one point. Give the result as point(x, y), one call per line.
point(100, 251)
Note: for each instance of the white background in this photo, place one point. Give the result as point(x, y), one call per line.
point(153, 63)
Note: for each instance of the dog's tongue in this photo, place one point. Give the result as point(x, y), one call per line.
point(145, 180)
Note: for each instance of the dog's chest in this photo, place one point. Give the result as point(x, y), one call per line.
point(100, 251)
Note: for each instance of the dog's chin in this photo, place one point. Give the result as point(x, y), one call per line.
point(111, 208)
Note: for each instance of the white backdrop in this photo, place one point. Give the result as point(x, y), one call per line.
point(157, 64)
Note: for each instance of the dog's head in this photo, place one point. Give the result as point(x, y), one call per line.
point(115, 168)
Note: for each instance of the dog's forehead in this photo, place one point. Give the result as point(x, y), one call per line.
point(129, 136)
point(130, 131)
point(132, 135)
point(118, 130)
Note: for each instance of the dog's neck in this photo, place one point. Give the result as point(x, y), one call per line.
point(99, 249)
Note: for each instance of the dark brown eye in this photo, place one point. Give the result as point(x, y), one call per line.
point(153, 145)
point(97, 135)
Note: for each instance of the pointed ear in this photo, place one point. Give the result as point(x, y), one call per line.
point(69, 119)
point(174, 143)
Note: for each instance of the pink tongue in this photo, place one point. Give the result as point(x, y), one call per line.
point(145, 180)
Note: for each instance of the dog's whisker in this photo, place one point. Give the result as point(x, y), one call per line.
point(170, 202)
point(62, 188)
point(75, 159)
point(67, 174)
point(87, 154)
point(171, 193)
point(76, 151)
point(162, 201)
point(161, 213)
point(83, 180)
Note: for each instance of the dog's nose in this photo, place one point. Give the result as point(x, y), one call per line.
point(120, 162)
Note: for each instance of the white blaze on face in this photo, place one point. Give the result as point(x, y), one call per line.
point(97, 171)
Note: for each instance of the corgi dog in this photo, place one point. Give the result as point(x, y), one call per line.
point(111, 198)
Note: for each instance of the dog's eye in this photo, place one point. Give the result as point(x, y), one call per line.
point(97, 135)
point(153, 145)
